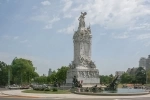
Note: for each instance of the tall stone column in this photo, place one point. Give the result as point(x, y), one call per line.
point(82, 66)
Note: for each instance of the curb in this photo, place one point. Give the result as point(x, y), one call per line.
point(18, 96)
point(7, 95)
point(111, 94)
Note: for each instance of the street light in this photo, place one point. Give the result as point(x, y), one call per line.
point(8, 75)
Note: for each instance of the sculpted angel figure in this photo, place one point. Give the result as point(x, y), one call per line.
point(81, 19)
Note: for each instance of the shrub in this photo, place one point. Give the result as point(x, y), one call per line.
point(47, 89)
point(55, 89)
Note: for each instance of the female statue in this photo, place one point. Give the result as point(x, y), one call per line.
point(81, 20)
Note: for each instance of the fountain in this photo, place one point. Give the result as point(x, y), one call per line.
point(110, 90)
point(83, 70)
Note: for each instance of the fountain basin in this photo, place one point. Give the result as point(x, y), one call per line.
point(119, 92)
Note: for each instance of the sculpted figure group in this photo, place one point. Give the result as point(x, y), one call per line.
point(88, 74)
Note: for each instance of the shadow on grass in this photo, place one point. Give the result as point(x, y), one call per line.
point(48, 92)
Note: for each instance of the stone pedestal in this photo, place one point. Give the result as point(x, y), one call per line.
point(87, 76)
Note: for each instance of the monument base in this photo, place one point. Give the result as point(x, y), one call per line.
point(87, 76)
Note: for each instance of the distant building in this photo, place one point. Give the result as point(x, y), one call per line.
point(148, 63)
point(49, 72)
point(119, 73)
point(142, 62)
point(132, 71)
point(128, 70)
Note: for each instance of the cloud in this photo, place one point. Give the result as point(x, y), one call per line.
point(68, 30)
point(34, 7)
point(115, 15)
point(137, 53)
point(143, 36)
point(120, 35)
point(49, 26)
point(55, 19)
point(45, 3)
point(68, 16)
point(41, 18)
point(46, 17)
point(6, 37)
point(16, 37)
point(51, 22)
point(144, 26)
point(29, 45)
point(147, 44)
point(102, 33)
point(68, 4)
point(24, 41)
point(7, 1)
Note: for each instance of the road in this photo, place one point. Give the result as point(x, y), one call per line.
point(3, 89)
point(11, 98)
point(48, 98)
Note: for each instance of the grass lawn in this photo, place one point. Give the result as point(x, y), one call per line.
point(48, 92)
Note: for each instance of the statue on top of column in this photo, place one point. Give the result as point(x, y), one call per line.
point(81, 20)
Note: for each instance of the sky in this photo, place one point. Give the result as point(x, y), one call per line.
point(42, 31)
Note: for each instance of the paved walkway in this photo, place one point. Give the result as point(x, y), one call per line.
point(18, 93)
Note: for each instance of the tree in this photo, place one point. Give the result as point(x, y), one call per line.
point(3, 73)
point(126, 78)
point(41, 80)
point(52, 77)
point(62, 73)
point(22, 71)
point(140, 75)
point(111, 77)
point(104, 79)
point(148, 77)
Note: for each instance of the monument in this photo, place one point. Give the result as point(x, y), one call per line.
point(82, 66)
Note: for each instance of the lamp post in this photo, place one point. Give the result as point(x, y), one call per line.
point(8, 75)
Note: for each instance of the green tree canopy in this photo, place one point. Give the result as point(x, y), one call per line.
point(23, 70)
point(52, 77)
point(3, 73)
point(140, 75)
point(126, 78)
point(62, 73)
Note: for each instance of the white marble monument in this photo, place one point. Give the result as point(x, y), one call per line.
point(82, 66)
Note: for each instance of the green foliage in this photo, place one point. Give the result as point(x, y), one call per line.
point(61, 74)
point(54, 89)
point(126, 78)
point(140, 75)
point(52, 77)
point(105, 79)
point(41, 79)
point(3, 73)
point(23, 71)
point(148, 76)
point(47, 89)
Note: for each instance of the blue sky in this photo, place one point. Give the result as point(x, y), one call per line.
point(42, 31)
